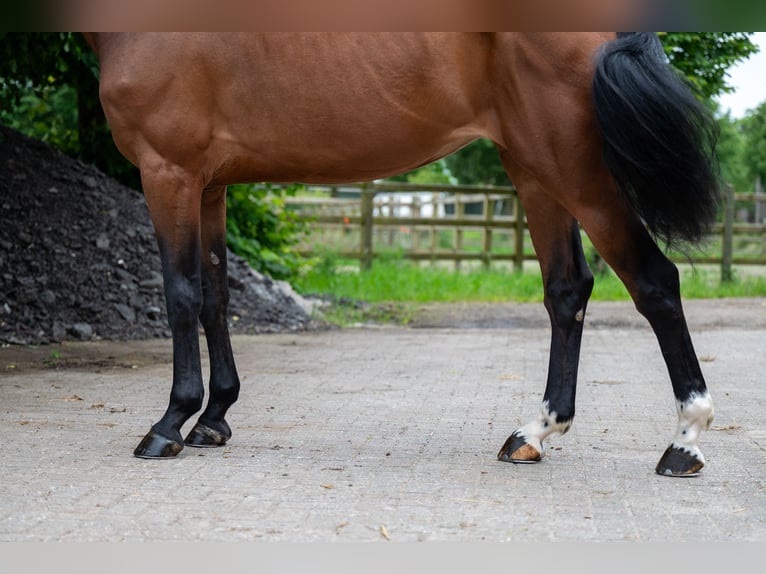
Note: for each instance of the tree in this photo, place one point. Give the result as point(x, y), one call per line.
point(704, 58)
point(754, 134)
point(49, 90)
point(478, 163)
point(731, 150)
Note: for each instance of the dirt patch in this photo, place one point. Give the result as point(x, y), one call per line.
point(79, 260)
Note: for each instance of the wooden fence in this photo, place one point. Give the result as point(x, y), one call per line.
point(480, 223)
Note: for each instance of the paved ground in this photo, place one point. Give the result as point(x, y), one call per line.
point(391, 433)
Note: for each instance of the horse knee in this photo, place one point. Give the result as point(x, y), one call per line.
point(566, 298)
point(184, 302)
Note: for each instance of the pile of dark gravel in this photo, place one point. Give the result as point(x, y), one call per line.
point(79, 260)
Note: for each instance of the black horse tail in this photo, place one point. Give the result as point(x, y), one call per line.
point(659, 140)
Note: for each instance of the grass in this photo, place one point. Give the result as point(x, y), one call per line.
point(390, 290)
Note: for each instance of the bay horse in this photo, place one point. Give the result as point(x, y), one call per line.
point(594, 129)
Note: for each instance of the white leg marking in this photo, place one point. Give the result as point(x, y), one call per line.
point(535, 432)
point(694, 415)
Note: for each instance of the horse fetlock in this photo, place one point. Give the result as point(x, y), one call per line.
point(695, 415)
point(552, 421)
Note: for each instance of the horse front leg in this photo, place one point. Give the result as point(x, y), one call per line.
point(212, 429)
point(174, 205)
point(568, 283)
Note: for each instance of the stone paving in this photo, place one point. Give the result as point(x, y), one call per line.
point(386, 434)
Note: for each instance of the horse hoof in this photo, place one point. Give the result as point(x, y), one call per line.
point(202, 436)
point(516, 449)
point(155, 445)
point(679, 462)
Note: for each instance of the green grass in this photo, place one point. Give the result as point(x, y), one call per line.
point(394, 279)
point(388, 291)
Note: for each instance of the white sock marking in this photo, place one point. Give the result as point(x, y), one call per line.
point(536, 431)
point(694, 415)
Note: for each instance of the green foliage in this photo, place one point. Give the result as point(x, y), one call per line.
point(262, 231)
point(732, 153)
point(32, 62)
point(742, 148)
point(703, 58)
point(34, 96)
point(753, 128)
point(49, 82)
point(478, 164)
point(435, 172)
point(48, 114)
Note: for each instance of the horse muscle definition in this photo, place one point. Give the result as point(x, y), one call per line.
point(594, 129)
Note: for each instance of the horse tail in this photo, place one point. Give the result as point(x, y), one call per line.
point(658, 138)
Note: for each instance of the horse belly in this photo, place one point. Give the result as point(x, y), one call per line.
point(340, 155)
point(350, 107)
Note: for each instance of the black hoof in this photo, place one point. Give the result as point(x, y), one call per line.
point(517, 449)
point(679, 462)
point(202, 436)
point(155, 445)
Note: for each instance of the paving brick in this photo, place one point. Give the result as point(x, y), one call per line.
point(391, 433)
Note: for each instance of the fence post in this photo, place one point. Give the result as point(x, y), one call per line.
point(459, 213)
point(391, 213)
point(368, 196)
point(518, 253)
point(728, 233)
point(415, 231)
point(487, 247)
point(439, 211)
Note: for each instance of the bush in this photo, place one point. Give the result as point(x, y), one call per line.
point(261, 230)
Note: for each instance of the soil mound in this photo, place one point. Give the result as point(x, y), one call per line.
point(79, 260)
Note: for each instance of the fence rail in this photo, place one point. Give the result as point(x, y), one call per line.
point(433, 222)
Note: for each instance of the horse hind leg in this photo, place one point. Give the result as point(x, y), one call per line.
point(568, 283)
point(212, 429)
point(657, 297)
point(653, 283)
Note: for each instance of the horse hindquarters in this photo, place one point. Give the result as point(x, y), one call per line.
point(658, 145)
point(554, 151)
